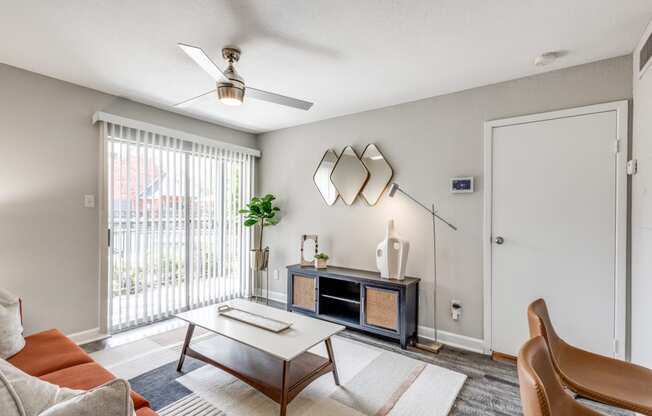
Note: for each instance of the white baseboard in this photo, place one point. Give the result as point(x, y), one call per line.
point(453, 340)
point(89, 335)
point(275, 296)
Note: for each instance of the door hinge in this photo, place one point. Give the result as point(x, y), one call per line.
point(108, 234)
point(615, 347)
point(617, 146)
point(632, 167)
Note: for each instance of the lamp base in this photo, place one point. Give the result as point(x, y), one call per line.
point(433, 347)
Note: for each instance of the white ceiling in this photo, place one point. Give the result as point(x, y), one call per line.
point(346, 56)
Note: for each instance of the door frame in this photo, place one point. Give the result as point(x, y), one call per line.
point(621, 149)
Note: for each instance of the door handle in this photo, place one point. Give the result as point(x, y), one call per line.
point(499, 240)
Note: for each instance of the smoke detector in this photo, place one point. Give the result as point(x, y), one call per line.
point(547, 58)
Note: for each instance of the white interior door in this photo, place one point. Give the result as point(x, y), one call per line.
point(555, 213)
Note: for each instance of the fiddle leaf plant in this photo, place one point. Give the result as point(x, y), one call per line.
point(261, 212)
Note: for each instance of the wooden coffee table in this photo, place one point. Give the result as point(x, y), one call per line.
point(276, 364)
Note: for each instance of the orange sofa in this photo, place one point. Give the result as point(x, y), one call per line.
point(53, 357)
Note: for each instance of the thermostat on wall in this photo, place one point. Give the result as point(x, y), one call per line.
point(462, 185)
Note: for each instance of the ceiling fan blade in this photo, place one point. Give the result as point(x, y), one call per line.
point(277, 99)
point(189, 101)
point(201, 59)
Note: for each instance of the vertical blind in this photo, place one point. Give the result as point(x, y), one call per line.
point(176, 239)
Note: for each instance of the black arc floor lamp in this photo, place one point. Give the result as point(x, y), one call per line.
point(435, 346)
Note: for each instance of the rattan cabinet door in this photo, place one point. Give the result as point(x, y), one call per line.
point(381, 307)
point(303, 292)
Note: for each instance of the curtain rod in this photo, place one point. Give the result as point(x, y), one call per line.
point(141, 125)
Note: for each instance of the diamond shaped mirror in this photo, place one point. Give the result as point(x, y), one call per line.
point(380, 174)
point(349, 175)
point(322, 177)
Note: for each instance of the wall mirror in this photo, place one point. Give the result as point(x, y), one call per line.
point(380, 174)
point(322, 177)
point(349, 175)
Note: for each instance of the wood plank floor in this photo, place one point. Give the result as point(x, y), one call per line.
point(490, 390)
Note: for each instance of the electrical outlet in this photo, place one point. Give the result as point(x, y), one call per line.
point(456, 309)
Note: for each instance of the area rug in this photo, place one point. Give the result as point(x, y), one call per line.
point(373, 382)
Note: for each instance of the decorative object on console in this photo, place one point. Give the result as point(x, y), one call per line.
point(322, 177)
point(11, 328)
point(462, 185)
point(391, 254)
point(321, 261)
point(349, 175)
point(380, 174)
point(436, 346)
point(304, 238)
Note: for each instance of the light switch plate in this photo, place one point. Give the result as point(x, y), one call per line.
point(89, 201)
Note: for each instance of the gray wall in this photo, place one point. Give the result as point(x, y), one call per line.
point(642, 217)
point(49, 160)
point(427, 142)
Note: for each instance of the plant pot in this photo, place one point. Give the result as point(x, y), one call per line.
point(321, 264)
point(259, 258)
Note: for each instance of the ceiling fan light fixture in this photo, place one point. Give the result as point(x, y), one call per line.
point(230, 85)
point(230, 94)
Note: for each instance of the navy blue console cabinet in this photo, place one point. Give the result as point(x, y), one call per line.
point(358, 299)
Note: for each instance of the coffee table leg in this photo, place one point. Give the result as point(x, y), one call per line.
point(285, 388)
point(331, 357)
point(191, 329)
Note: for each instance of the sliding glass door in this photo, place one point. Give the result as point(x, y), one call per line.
point(176, 240)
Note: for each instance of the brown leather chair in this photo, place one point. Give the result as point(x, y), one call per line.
point(603, 379)
point(541, 392)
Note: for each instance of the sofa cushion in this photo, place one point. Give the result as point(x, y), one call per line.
point(31, 395)
point(146, 411)
point(48, 351)
point(110, 399)
point(11, 328)
point(86, 377)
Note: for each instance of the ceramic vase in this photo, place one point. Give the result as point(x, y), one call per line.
point(392, 254)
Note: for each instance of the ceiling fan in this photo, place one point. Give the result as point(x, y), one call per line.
point(231, 88)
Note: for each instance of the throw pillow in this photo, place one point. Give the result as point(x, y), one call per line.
point(30, 395)
point(11, 329)
point(110, 399)
point(9, 401)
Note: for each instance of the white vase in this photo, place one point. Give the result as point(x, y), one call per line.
point(391, 254)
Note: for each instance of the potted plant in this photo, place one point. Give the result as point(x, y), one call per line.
point(320, 261)
point(261, 212)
